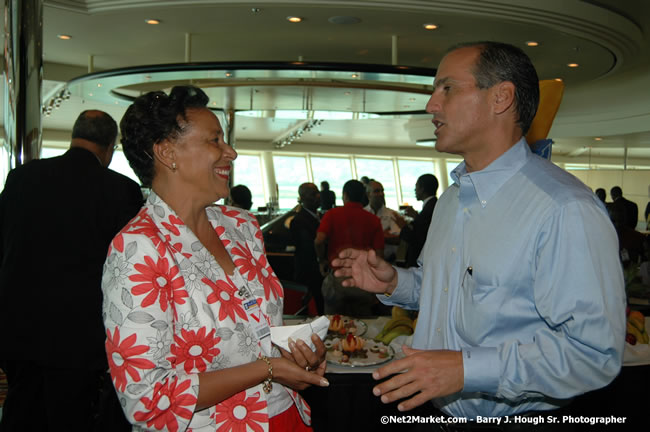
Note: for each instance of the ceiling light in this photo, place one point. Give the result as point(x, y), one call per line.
point(426, 142)
point(152, 21)
point(355, 75)
point(558, 79)
point(573, 65)
point(347, 93)
point(430, 26)
point(294, 19)
point(64, 36)
point(228, 74)
point(412, 99)
point(99, 84)
point(598, 139)
point(532, 43)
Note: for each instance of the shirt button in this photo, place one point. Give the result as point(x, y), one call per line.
point(483, 202)
point(453, 249)
point(446, 289)
point(438, 329)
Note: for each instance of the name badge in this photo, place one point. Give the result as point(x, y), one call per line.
point(260, 326)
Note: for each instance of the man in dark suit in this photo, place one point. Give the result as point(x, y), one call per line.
point(629, 208)
point(327, 197)
point(415, 233)
point(303, 232)
point(57, 219)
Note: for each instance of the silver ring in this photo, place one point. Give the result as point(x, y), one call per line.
point(307, 368)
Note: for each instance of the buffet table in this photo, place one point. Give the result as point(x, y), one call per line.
point(349, 405)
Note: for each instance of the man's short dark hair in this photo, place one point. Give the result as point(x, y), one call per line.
point(355, 190)
point(499, 62)
point(429, 183)
point(95, 126)
point(616, 192)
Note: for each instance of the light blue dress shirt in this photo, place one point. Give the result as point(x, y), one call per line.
point(520, 271)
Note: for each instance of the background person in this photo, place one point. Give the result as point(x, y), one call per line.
point(391, 221)
point(327, 197)
point(628, 208)
point(188, 292)
point(241, 197)
point(521, 306)
point(303, 233)
point(340, 228)
point(57, 218)
point(415, 233)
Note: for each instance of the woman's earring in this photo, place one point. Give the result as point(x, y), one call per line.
point(174, 166)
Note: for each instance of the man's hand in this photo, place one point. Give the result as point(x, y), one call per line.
point(365, 270)
point(432, 373)
point(410, 212)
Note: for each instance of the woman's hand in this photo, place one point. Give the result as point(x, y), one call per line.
point(289, 374)
point(303, 356)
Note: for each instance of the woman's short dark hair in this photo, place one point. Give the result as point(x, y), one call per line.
point(499, 62)
point(154, 117)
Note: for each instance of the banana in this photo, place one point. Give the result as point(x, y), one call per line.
point(637, 334)
point(397, 312)
point(397, 331)
point(391, 324)
point(636, 322)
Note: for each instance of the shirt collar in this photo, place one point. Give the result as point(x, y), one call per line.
point(489, 180)
point(426, 200)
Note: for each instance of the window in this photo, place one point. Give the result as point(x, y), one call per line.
point(118, 163)
point(5, 164)
point(382, 171)
point(409, 171)
point(336, 171)
point(248, 171)
point(290, 172)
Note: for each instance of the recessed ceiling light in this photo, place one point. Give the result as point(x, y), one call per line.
point(573, 65)
point(228, 74)
point(152, 21)
point(294, 19)
point(64, 36)
point(558, 79)
point(430, 26)
point(355, 75)
point(214, 104)
point(347, 93)
point(412, 99)
point(99, 84)
point(90, 94)
point(598, 139)
point(532, 43)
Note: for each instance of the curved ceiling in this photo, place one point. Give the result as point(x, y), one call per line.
point(608, 39)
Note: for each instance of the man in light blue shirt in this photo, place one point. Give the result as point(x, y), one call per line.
point(519, 285)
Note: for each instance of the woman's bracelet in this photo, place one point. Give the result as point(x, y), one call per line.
point(268, 385)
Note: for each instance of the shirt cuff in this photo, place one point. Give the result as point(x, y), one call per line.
point(480, 370)
point(397, 297)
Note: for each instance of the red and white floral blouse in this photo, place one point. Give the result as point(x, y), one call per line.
point(171, 312)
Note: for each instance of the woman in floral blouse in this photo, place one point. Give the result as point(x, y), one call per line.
point(189, 295)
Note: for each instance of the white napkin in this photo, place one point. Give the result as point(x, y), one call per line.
point(280, 335)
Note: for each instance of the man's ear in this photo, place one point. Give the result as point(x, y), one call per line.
point(164, 153)
point(503, 96)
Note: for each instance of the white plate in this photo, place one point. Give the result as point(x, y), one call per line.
point(639, 354)
point(372, 359)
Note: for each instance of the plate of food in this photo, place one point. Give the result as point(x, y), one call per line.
point(355, 351)
point(341, 325)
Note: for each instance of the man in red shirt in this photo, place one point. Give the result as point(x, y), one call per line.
point(341, 228)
